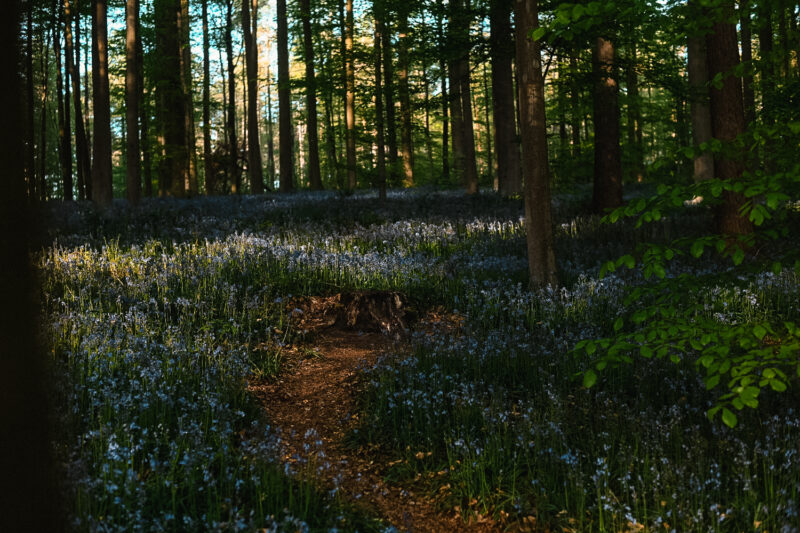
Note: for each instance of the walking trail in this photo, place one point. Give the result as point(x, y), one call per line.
point(315, 403)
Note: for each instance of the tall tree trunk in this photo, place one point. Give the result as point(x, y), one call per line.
point(184, 26)
point(62, 88)
point(490, 162)
point(607, 157)
point(634, 113)
point(30, 130)
point(234, 176)
point(538, 219)
point(81, 145)
point(330, 132)
point(765, 43)
point(509, 173)
point(378, 13)
point(575, 102)
point(748, 91)
point(173, 171)
point(101, 163)
point(286, 147)
point(427, 101)
point(210, 186)
point(440, 34)
point(404, 95)
point(253, 136)
point(314, 173)
point(350, 97)
point(132, 92)
point(144, 118)
point(388, 90)
point(698, 106)
point(270, 133)
point(457, 129)
point(727, 119)
point(461, 95)
point(42, 148)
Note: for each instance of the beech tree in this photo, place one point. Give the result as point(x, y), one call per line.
point(102, 193)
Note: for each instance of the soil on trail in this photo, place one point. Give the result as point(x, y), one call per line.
point(314, 405)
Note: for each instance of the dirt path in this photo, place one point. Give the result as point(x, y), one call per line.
point(314, 406)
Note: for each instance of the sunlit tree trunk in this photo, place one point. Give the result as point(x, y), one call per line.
point(538, 219)
point(607, 157)
point(101, 153)
point(404, 95)
point(350, 97)
point(314, 173)
point(132, 91)
point(286, 147)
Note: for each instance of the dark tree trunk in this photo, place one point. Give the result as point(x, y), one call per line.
point(62, 88)
point(81, 144)
point(173, 171)
point(132, 92)
point(234, 176)
point(607, 157)
point(330, 132)
point(698, 106)
point(270, 133)
point(490, 164)
point(209, 176)
point(634, 113)
point(144, 119)
point(509, 173)
point(380, 141)
point(286, 147)
point(404, 95)
point(748, 91)
point(575, 101)
point(457, 129)
point(101, 163)
point(765, 42)
point(388, 90)
point(350, 96)
point(30, 130)
point(462, 99)
point(538, 219)
point(445, 97)
point(727, 119)
point(253, 136)
point(314, 173)
point(427, 92)
point(184, 26)
point(42, 147)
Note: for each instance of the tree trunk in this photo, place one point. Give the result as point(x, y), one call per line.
point(727, 119)
point(286, 147)
point(81, 145)
point(575, 101)
point(173, 171)
point(101, 164)
point(253, 136)
point(460, 20)
point(209, 180)
point(30, 131)
point(509, 173)
point(270, 133)
point(748, 91)
point(330, 132)
point(765, 42)
point(427, 101)
point(314, 173)
point(132, 91)
point(184, 26)
point(538, 219)
point(698, 107)
point(404, 94)
point(634, 113)
point(378, 13)
point(234, 176)
point(350, 97)
point(42, 148)
point(490, 165)
point(388, 90)
point(607, 157)
point(144, 119)
point(62, 88)
point(445, 97)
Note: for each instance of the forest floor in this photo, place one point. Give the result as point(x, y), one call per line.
point(314, 405)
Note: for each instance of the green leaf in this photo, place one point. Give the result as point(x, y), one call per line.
point(589, 378)
point(618, 323)
point(591, 347)
point(759, 331)
point(697, 248)
point(738, 256)
point(729, 418)
point(777, 385)
point(712, 382)
point(777, 267)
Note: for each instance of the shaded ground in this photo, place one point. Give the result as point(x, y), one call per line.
point(314, 405)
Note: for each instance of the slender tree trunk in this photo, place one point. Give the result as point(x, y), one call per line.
point(575, 101)
point(81, 145)
point(634, 113)
point(101, 164)
point(42, 148)
point(445, 97)
point(727, 119)
point(765, 42)
point(509, 173)
point(783, 39)
point(270, 133)
point(253, 137)
point(404, 94)
point(314, 173)
point(699, 110)
point(381, 142)
point(234, 175)
point(62, 89)
point(284, 102)
point(490, 162)
point(132, 92)
point(144, 118)
point(30, 133)
point(457, 130)
point(538, 219)
point(460, 20)
point(173, 171)
point(747, 57)
point(184, 26)
point(388, 90)
point(427, 89)
point(350, 97)
point(330, 132)
point(209, 177)
point(607, 157)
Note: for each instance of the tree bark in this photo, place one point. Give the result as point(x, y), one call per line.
point(380, 141)
point(209, 178)
point(64, 118)
point(286, 147)
point(42, 148)
point(270, 133)
point(748, 92)
point(607, 157)
point(727, 120)
point(427, 94)
point(350, 97)
point(765, 42)
point(388, 90)
point(144, 119)
point(404, 94)
point(81, 145)
point(575, 101)
point(102, 192)
point(234, 176)
point(173, 171)
point(698, 107)
point(132, 91)
point(184, 26)
point(445, 97)
point(538, 219)
point(634, 113)
point(509, 173)
point(462, 98)
point(314, 172)
point(30, 131)
point(253, 136)
point(490, 163)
